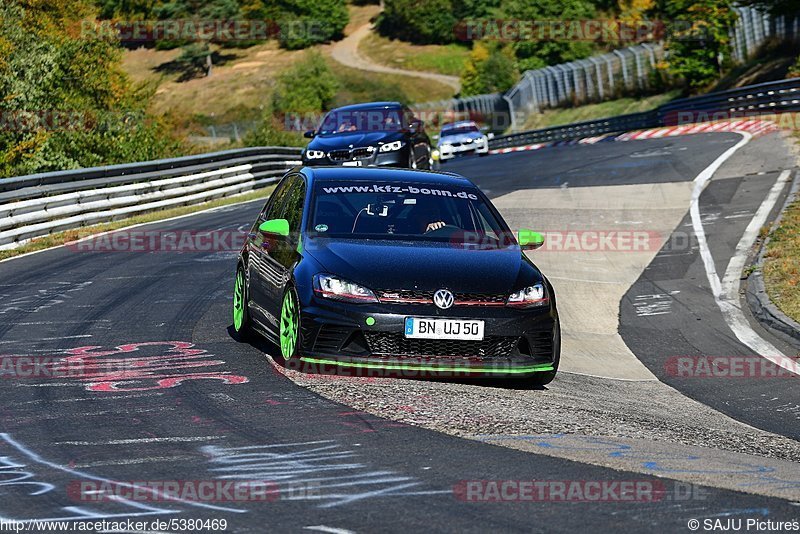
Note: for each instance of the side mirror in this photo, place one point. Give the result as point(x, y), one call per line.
point(529, 240)
point(275, 227)
point(309, 134)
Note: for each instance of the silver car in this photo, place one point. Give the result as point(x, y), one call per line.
point(459, 138)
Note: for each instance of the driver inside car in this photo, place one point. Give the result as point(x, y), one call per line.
point(427, 216)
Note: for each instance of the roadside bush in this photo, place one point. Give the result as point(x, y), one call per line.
point(306, 87)
point(694, 54)
point(309, 22)
point(794, 70)
point(418, 21)
point(271, 131)
point(64, 101)
point(534, 54)
point(489, 69)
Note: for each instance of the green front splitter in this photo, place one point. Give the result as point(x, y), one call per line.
point(541, 368)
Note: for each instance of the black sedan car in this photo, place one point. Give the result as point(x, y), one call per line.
point(395, 270)
point(373, 134)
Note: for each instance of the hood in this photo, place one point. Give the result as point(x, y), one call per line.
point(425, 266)
point(356, 139)
point(460, 138)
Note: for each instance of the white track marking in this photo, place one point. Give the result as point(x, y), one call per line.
point(332, 530)
point(727, 298)
point(86, 476)
point(140, 440)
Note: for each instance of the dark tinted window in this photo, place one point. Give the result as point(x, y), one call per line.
point(398, 210)
point(362, 120)
point(459, 130)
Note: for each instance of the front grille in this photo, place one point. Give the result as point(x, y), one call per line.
point(348, 155)
point(390, 344)
point(363, 153)
point(339, 155)
point(403, 296)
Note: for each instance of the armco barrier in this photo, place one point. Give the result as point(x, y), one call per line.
point(752, 100)
point(39, 204)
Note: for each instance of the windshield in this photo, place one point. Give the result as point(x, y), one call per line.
point(402, 210)
point(460, 130)
point(362, 120)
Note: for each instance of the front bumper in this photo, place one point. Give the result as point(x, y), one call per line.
point(396, 158)
point(370, 338)
point(462, 149)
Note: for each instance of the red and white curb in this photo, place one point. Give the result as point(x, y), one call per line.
point(754, 126)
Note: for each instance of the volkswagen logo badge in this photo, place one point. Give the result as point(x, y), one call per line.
point(443, 299)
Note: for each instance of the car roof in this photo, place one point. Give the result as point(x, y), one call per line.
point(370, 105)
point(377, 174)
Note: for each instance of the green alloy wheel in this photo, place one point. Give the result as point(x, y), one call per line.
point(240, 319)
point(290, 324)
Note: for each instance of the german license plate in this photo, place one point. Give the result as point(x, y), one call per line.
point(353, 163)
point(461, 329)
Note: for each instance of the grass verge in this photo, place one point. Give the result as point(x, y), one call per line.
point(363, 86)
point(61, 238)
point(621, 106)
point(782, 263)
point(441, 59)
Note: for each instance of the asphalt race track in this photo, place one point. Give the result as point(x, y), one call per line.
point(169, 395)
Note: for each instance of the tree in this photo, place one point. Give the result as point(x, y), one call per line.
point(309, 86)
point(537, 53)
point(419, 21)
point(64, 100)
point(196, 55)
point(307, 22)
point(698, 52)
point(490, 69)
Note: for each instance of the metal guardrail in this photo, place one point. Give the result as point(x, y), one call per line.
point(602, 77)
point(753, 100)
point(39, 204)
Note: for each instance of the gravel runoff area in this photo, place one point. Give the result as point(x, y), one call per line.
point(572, 404)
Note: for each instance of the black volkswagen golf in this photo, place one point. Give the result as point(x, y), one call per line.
point(395, 270)
point(372, 134)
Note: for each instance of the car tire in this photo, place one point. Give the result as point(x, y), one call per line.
point(412, 163)
point(242, 328)
point(289, 324)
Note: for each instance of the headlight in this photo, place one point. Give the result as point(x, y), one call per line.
point(333, 287)
point(390, 147)
point(529, 297)
point(315, 154)
point(467, 141)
